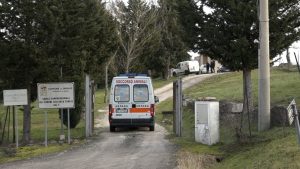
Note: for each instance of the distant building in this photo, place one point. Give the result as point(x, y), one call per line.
point(203, 59)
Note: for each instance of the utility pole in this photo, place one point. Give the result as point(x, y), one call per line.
point(264, 68)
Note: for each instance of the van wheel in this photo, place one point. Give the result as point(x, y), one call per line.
point(151, 128)
point(112, 128)
point(174, 74)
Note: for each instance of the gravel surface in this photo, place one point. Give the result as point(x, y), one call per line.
point(126, 149)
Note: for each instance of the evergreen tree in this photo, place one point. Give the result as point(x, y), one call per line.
point(188, 18)
point(81, 43)
point(40, 37)
point(228, 33)
point(23, 56)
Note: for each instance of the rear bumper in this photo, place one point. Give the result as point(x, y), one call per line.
point(131, 122)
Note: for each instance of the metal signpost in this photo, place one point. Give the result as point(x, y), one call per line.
point(15, 98)
point(293, 116)
point(55, 96)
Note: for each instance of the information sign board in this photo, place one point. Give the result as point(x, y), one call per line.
point(56, 95)
point(15, 97)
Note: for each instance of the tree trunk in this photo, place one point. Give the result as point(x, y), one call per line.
point(127, 65)
point(167, 71)
point(288, 59)
point(247, 90)
point(106, 84)
point(27, 120)
point(248, 102)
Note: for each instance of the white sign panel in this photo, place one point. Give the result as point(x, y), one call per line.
point(15, 97)
point(56, 95)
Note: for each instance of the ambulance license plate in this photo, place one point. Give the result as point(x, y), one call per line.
point(124, 110)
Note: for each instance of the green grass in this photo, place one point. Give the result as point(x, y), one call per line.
point(284, 86)
point(159, 82)
point(275, 148)
point(278, 150)
point(220, 86)
point(30, 151)
point(100, 103)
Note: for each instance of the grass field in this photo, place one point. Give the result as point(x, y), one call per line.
point(284, 87)
point(275, 148)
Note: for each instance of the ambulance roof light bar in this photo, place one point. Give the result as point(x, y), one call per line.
point(132, 75)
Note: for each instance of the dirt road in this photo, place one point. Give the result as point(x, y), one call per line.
point(167, 91)
point(125, 149)
point(128, 149)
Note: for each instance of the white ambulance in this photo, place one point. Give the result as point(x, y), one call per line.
point(132, 102)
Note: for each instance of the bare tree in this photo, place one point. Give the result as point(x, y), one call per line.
point(137, 25)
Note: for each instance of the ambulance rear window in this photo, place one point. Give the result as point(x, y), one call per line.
point(122, 93)
point(140, 93)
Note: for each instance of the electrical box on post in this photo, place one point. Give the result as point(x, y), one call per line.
point(207, 122)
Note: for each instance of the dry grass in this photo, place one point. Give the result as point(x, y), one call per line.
point(188, 160)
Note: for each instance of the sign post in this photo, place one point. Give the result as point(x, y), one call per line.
point(15, 98)
point(56, 95)
point(69, 135)
point(16, 128)
point(46, 129)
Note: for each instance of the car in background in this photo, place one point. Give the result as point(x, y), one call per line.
point(223, 69)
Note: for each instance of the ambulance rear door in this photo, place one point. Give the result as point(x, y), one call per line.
point(122, 100)
point(142, 99)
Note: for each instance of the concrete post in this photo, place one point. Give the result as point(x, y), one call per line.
point(178, 108)
point(264, 68)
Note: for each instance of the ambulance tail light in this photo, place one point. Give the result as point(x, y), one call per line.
point(152, 110)
point(110, 110)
